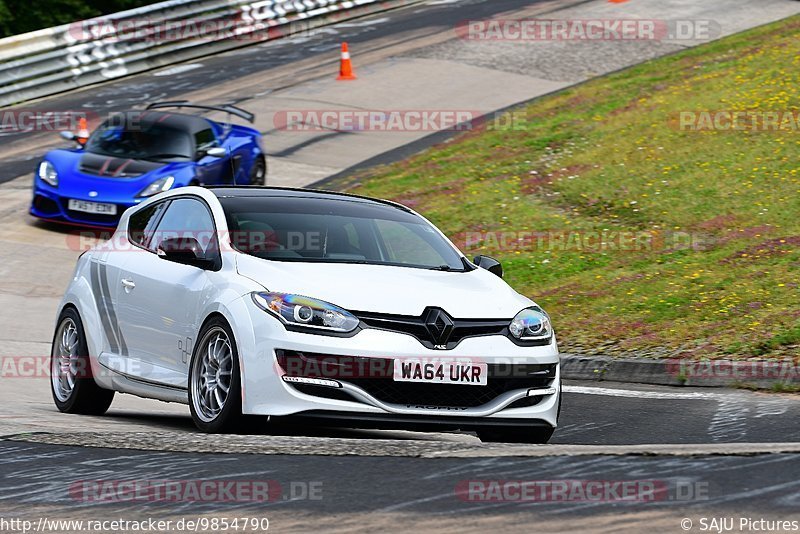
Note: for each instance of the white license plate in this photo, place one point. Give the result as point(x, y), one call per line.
point(441, 372)
point(92, 207)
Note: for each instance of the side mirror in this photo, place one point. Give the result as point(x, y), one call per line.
point(216, 152)
point(184, 250)
point(490, 264)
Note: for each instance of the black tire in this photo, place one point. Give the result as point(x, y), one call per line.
point(258, 174)
point(85, 396)
point(522, 434)
point(229, 419)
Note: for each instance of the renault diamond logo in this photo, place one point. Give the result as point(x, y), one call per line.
point(439, 326)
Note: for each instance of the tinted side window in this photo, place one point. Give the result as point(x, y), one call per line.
point(204, 139)
point(187, 217)
point(140, 225)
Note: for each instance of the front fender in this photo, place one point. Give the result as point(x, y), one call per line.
point(80, 295)
point(236, 314)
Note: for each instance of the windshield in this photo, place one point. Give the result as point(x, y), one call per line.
point(333, 230)
point(147, 141)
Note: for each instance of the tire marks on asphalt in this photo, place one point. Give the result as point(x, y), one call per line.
point(767, 483)
point(730, 421)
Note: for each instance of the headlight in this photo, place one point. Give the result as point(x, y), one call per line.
point(531, 324)
point(304, 312)
point(159, 186)
point(47, 172)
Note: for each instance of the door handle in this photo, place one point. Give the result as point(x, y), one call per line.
point(128, 284)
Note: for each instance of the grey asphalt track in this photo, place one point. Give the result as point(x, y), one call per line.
point(309, 491)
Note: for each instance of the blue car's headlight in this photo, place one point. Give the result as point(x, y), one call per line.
point(531, 324)
point(305, 312)
point(159, 186)
point(47, 173)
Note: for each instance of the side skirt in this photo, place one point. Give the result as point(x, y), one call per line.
point(148, 390)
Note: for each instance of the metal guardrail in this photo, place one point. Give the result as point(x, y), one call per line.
point(54, 60)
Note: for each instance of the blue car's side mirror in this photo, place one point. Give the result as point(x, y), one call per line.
point(216, 152)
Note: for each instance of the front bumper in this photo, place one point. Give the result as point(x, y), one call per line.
point(51, 206)
point(524, 396)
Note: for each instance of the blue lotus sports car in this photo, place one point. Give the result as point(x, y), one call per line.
point(134, 155)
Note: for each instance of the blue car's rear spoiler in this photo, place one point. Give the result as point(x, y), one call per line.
point(226, 108)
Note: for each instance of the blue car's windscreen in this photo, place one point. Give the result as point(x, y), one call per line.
point(152, 141)
point(326, 230)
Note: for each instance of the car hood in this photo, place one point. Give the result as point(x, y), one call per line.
point(94, 177)
point(111, 166)
point(476, 294)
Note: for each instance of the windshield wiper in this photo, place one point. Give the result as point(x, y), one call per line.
point(442, 268)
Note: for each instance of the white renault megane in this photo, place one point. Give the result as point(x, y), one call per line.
point(313, 306)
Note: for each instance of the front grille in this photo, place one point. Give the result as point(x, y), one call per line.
point(377, 380)
point(45, 205)
point(416, 327)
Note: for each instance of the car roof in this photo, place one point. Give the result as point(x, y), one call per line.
point(292, 192)
point(178, 121)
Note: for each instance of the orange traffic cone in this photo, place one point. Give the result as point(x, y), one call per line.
point(346, 67)
point(83, 131)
